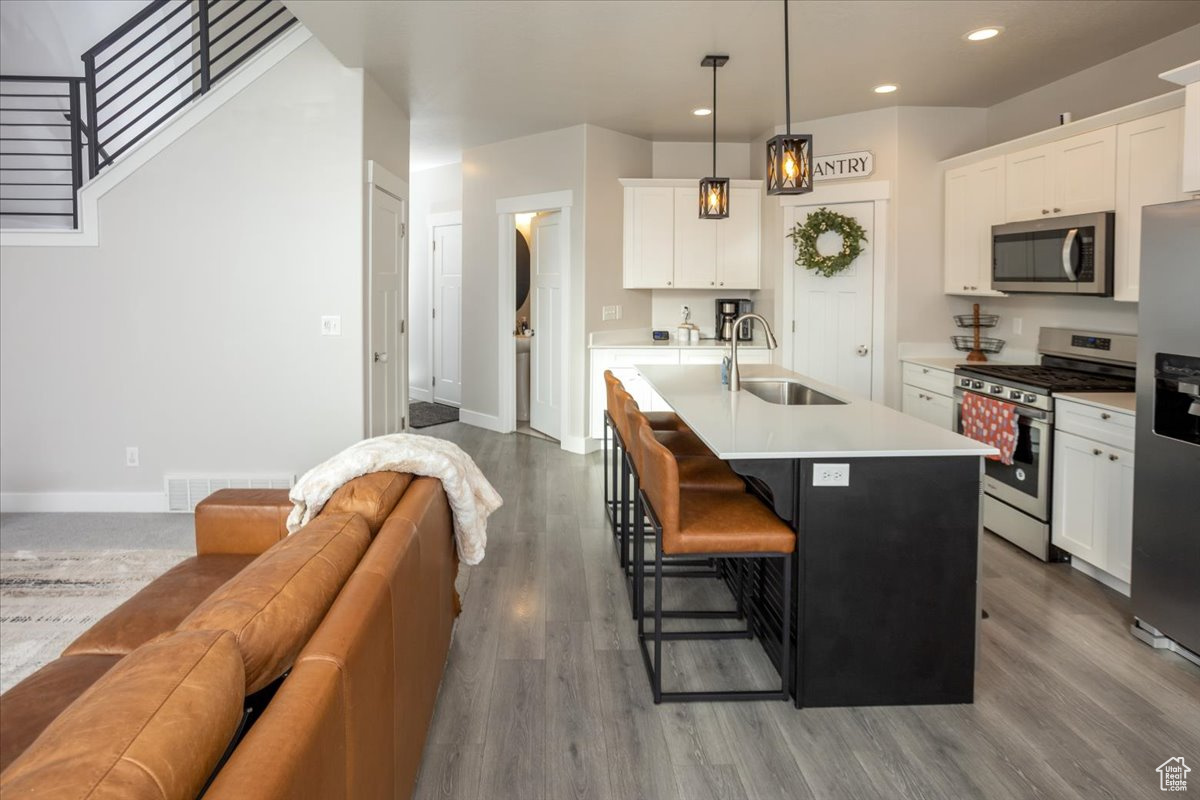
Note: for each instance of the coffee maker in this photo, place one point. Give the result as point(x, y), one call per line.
point(728, 310)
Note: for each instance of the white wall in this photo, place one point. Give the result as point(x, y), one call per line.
point(1111, 84)
point(385, 130)
point(432, 191)
point(694, 160)
point(546, 162)
point(611, 156)
point(193, 330)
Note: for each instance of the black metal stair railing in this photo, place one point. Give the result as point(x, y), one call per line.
point(41, 149)
point(135, 79)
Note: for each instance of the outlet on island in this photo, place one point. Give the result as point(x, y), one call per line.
point(831, 475)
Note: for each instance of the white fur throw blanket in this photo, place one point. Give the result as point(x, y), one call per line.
point(471, 497)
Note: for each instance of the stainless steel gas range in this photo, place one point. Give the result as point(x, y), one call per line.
point(1017, 499)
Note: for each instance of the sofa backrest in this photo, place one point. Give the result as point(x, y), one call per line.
point(297, 748)
point(274, 605)
point(154, 726)
point(372, 496)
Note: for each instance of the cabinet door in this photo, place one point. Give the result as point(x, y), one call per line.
point(960, 250)
point(1029, 184)
point(1085, 173)
point(1149, 163)
point(935, 409)
point(987, 197)
point(738, 241)
point(695, 243)
point(649, 237)
point(1119, 495)
point(1080, 472)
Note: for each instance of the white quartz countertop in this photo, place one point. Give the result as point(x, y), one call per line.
point(741, 425)
point(642, 338)
point(1121, 402)
point(949, 363)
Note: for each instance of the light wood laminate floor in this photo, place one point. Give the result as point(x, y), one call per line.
point(545, 696)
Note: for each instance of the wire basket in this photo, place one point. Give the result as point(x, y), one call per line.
point(968, 320)
point(986, 344)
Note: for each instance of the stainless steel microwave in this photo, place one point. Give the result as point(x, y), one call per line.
point(1060, 255)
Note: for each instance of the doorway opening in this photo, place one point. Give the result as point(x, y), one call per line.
point(534, 313)
point(386, 396)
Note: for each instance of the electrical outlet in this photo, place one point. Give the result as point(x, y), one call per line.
point(331, 326)
point(610, 313)
point(131, 457)
point(1017, 325)
point(831, 474)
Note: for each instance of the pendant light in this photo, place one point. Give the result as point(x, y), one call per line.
point(714, 192)
point(789, 156)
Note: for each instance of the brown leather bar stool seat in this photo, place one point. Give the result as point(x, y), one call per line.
point(707, 474)
point(659, 420)
point(724, 525)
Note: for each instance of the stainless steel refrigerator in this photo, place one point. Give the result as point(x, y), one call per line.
point(1166, 503)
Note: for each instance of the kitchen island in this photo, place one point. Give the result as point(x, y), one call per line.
point(886, 509)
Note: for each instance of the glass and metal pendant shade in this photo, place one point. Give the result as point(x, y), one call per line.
point(789, 155)
point(714, 192)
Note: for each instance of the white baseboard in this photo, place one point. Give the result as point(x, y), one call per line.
point(419, 395)
point(43, 502)
point(489, 422)
point(1094, 572)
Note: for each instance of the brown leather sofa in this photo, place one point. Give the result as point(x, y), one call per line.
point(265, 666)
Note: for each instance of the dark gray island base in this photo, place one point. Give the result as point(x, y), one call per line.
point(886, 578)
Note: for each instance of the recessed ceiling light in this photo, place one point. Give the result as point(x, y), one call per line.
point(885, 88)
point(701, 112)
point(983, 34)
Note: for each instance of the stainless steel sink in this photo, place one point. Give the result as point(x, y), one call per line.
point(784, 392)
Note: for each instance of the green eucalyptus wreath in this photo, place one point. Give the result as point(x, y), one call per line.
point(818, 222)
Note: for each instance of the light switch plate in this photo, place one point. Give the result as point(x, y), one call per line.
point(131, 457)
point(831, 475)
point(331, 326)
point(610, 313)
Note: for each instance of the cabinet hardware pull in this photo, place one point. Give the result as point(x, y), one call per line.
point(973, 288)
point(1112, 457)
point(925, 371)
point(1057, 210)
point(1096, 451)
point(710, 283)
point(1045, 211)
point(668, 283)
point(1105, 415)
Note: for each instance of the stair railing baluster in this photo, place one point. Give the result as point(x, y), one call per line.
point(89, 83)
point(73, 86)
point(205, 76)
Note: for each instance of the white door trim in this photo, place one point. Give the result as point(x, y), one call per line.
point(379, 177)
point(506, 303)
point(433, 221)
point(879, 193)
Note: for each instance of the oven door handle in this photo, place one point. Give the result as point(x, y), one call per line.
point(1036, 415)
point(1067, 262)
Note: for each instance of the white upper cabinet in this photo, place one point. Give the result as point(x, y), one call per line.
point(974, 203)
point(649, 237)
point(1149, 162)
point(695, 243)
point(738, 241)
point(1071, 176)
point(668, 246)
point(1029, 184)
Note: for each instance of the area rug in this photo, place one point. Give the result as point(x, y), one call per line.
point(422, 415)
point(49, 598)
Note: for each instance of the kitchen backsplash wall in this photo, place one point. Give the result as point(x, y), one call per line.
point(665, 303)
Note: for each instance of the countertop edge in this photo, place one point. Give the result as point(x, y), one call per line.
point(1093, 399)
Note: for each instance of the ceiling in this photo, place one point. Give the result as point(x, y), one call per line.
point(471, 73)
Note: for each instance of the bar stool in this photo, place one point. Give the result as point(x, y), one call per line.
point(696, 473)
point(711, 524)
point(659, 420)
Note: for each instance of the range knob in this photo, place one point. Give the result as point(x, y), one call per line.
point(1014, 394)
point(1030, 398)
point(976, 384)
point(996, 389)
point(964, 382)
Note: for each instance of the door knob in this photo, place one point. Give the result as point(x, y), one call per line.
point(862, 350)
point(381, 358)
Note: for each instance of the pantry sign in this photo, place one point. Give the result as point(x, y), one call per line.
point(842, 166)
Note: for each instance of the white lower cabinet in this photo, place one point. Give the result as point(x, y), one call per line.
point(928, 394)
point(1093, 503)
point(621, 361)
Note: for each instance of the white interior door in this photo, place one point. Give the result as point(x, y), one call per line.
point(447, 314)
point(833, 316)
point(545, 311)
point(389, 340)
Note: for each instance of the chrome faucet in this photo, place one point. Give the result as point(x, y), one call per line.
point(735, 380)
